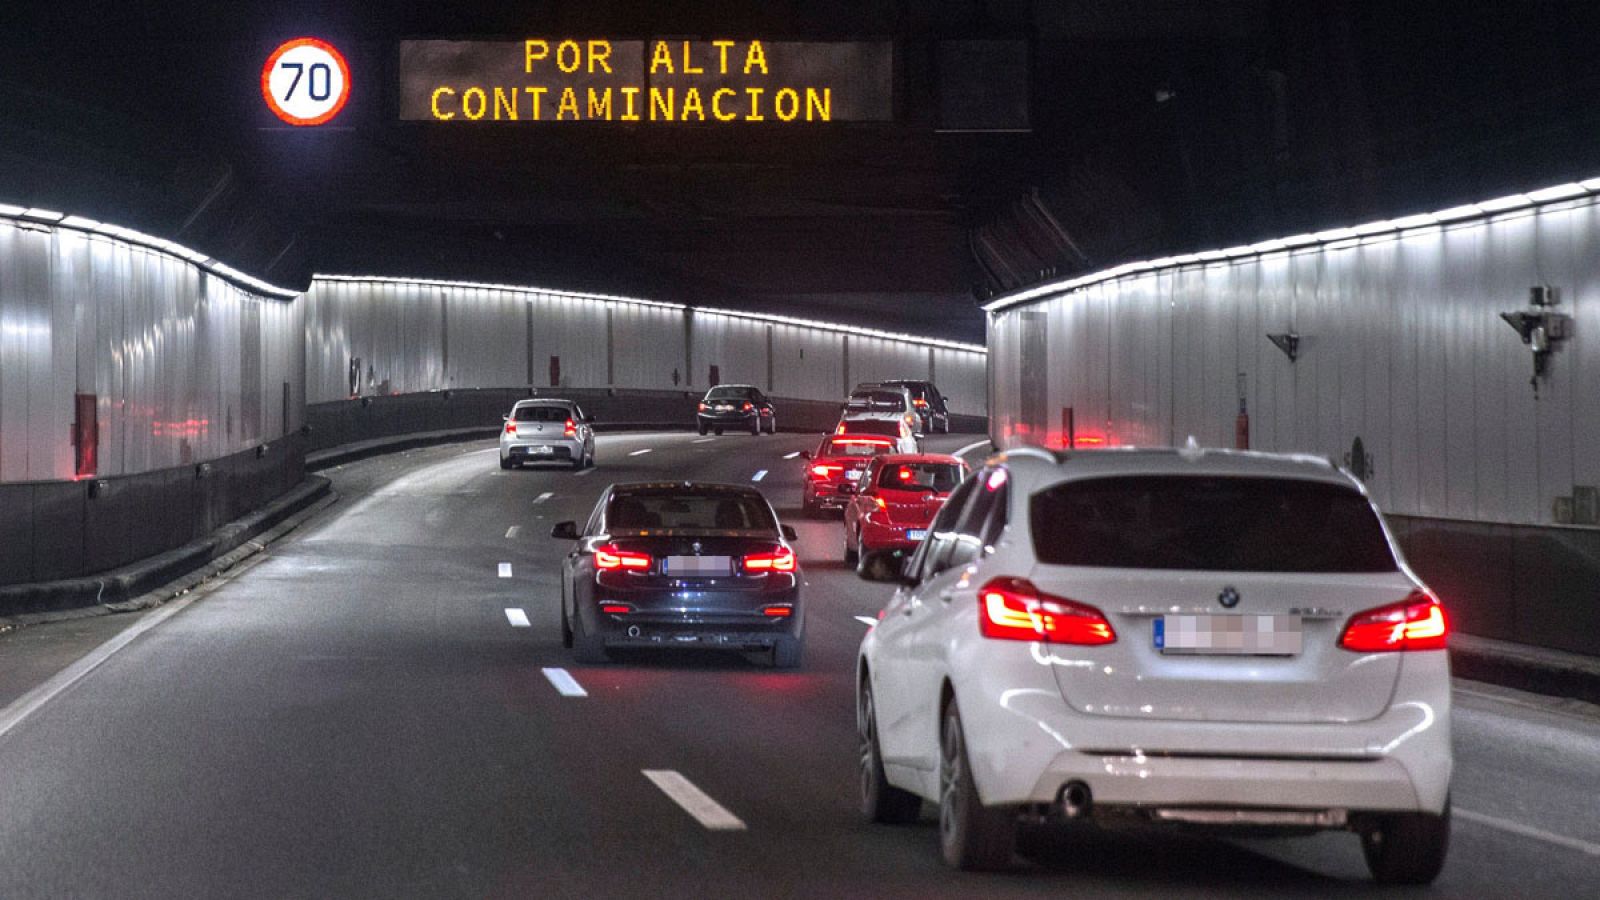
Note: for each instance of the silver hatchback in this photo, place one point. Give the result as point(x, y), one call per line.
point(547, 431)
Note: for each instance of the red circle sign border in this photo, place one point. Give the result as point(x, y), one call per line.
point(272, 62)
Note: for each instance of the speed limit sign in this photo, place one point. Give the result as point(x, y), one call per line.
point(306, 81)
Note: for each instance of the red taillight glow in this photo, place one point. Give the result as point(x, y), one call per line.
point(920, 402)
point(747, 407)
point(571, 429)
point(876, 442)
point(1415, 623)
point(821, 470)
point(703, 407)
point(610, 557)
point(879, 501)
point(511, 428)
point(777, 612)
point(840, 429)
point(1012, 609)
point(615, 609)
point(906, 474)
point(779, 560)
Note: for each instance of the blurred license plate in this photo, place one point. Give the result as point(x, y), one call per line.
point(1229, 635)
point(542, 450)
point(699, 565)
point(916, 534)
point(853, 475)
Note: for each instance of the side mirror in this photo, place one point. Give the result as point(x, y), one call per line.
point(805, 454)
point(565, 531)
point(788, 533)
point(505, 418)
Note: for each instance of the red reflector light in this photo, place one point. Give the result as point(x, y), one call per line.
point(610, 557)
point(1415, 623)
point(615, 609)
point(572, 428)
point(779, 560)
point(778, 612)
point(1012, 609)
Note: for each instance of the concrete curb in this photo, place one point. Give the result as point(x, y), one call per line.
point(1524, 667)
point(152, 580)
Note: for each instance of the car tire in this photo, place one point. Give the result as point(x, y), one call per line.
point(505, 463)
point(577, 462)
point(881, 801)
point(566, 627)
point(866, 562)
point(1407, 848)
point(701, 428)
point(972, 837)
point(586, 648)
point(755, 427)
point(852, 552)
point(718, 431)
point(787, 652)
point(772, 425)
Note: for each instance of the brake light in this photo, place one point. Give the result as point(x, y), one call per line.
point(821, 471)
point(611, 557)
point(876, 442)
point(747, 407)
point(777, 612)
point(879, 501)
point(1415, 623)
point(571, 429)
point(615, 609)
point(920, 402)
point(511, 428)
point(703, 407)
point(1012, 609)
point(840, 429)
point(779, 560)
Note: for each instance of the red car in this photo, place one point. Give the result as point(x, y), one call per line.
point(889, 511)
point(840, 459)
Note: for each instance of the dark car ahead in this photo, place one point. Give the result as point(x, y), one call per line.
point(929, 404)
point(738, 406)
point(679, 564)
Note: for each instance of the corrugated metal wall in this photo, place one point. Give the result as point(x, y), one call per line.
point(413, 338)
point(183, 367)
point(1401, 346)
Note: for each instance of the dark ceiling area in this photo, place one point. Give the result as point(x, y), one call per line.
point(1155, 126)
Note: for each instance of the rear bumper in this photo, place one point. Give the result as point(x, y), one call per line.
point(534, 450)
point(888, 538)
point(725, 419)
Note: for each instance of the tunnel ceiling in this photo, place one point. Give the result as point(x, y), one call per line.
point(1155, 126)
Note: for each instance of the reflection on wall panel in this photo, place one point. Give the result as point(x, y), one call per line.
point(401, 336)
point(1404, 370)
point(116, 359)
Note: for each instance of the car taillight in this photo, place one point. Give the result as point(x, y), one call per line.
point(610, 557)
point(615, 609)
point(779, 560)
point(821, 471)
point(1415, 623)
point(1012, 609)
point(511, 428)
point(747, 407)
point(920, 402)
point(571, 429)
point(879, 501)
point(777, 612)
point(703, 407)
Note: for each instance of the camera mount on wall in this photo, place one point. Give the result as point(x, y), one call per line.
point(1540, 328)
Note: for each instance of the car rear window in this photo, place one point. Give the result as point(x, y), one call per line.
point(939, 477)
point(729, 393)
point(542, 414)
point(877, 401)
point(689, 510)
point(880, 427)
point(853, 447)
point(1208, 524)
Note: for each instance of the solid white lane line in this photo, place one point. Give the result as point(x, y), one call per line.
point(867, 620)
point(517, 617)
point(793, 455)
point(640, 452)
point(513, 531)
point(30, 702)
point(565, 683)
point(703, 441)
point(1528, 831)
point(694, 801)
point(759, 475)
point(971, 447)
point(544, 496)
point(505, 570)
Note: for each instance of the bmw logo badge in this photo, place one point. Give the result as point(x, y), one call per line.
point(1229, 598)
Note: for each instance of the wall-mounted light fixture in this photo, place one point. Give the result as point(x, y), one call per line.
point(1540, 328)
point(1288, 342)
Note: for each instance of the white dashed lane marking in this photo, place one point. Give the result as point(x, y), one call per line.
point(505, 570)
point(867, 620)
point(517, 617)
point(703, 441)
point(694, 801)
point(585, 472)
point(759, 475)
point(565, 683)
point(544, 496)
point(640, 452)
point(791, 455)
point(513, 531)
point(1527, 831)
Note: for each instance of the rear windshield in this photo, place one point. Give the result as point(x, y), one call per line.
point(918, 389)
point(690, 510)
point(882, 427)
point(877, 401)
point(939, 477)
point(542, 414)
point(1208, 524)
point(730, 393)
point(853, 447)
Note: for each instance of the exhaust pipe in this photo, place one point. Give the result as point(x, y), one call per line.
point(633, 631)
point(1076, 800)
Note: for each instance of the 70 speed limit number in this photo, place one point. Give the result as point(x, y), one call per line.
point(306, 81)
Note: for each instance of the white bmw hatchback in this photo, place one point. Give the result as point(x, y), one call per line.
point(1213, 638)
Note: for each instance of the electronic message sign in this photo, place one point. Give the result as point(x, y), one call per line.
point(660, 81)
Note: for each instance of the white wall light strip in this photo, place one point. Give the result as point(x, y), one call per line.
point(149, 242)
point(1335, 238)
point(512, 288)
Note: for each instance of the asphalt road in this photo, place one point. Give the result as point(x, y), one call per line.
point(357, 712)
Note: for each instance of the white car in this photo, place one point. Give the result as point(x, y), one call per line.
point(547, 431)
point(1214, 638)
